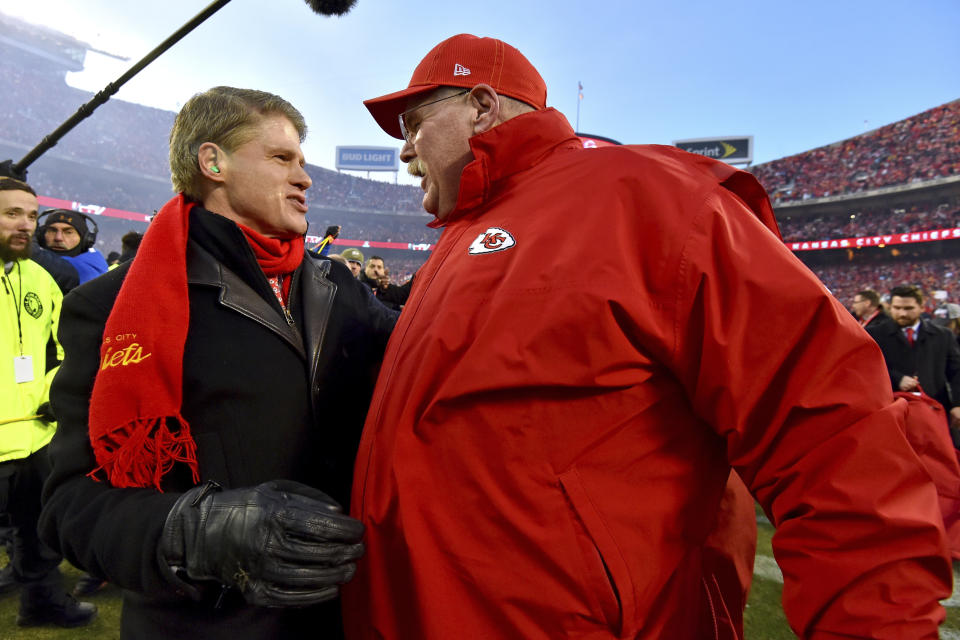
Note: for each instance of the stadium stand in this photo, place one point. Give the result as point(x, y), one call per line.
point(930, 275)
point(922, 147)
point(118, 157)
point(921, 216)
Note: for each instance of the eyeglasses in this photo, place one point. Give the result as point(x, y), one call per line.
point(407, 134)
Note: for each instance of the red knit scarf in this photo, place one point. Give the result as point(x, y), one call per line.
point(276, 256)
point(136, 429)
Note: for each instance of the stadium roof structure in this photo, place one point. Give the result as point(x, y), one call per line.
point(59, 48)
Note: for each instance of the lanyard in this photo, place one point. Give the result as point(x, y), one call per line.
point(16, 305)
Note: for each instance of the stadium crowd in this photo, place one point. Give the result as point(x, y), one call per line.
point(935, 274)
point(375, 227)
point(917, 217)
point(332, 189)
point(132, 139)
point(922, 147)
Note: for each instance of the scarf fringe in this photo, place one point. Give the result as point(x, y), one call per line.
point(140, 452)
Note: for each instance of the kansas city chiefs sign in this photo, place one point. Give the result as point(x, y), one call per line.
point(493, 239)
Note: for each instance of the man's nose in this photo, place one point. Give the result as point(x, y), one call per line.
point(407, 152)
point(302, 179)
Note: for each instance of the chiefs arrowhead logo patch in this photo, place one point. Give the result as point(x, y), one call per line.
point(493, 239)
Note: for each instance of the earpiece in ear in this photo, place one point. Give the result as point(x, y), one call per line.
point(215, 169)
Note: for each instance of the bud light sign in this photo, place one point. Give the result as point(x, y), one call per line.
point(368, 158)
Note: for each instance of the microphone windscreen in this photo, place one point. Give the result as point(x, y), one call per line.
point(330, 7)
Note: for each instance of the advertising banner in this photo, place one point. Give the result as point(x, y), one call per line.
point(368, 158)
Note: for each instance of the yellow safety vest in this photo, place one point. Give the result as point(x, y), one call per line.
point(29, 314)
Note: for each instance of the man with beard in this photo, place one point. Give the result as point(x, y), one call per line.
point(68, 235)
point(375, 276)
point(919, 353)
point(29, 317)
point(212, 394)
point(552, 429)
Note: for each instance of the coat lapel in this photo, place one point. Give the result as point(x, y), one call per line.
point(317, 294)
point(236, 294)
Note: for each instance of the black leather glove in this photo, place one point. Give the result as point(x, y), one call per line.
point(281, 543)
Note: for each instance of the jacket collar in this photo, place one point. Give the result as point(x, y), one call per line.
point(508, 149)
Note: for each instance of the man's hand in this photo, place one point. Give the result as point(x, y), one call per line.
point(281, 543)
point(909, 383)
point(955, 418)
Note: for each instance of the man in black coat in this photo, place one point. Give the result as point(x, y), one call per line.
point(211, 389)
point(919, 353)
point(374, 275)
point(868, 309)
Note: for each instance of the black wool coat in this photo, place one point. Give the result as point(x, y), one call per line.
point(265, 400)
point(934, 359)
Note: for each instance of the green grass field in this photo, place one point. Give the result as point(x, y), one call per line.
point(764, 618)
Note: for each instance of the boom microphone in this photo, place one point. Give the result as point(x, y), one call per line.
point(331, 7)
point(19, 170)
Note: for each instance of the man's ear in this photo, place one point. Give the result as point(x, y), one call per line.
point(210, 157)
point(487, 103)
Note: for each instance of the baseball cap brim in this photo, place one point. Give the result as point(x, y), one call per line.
point(387, 109)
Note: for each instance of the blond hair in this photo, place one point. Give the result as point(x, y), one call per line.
point(225, 116)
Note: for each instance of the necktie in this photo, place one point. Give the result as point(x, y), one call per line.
point(910, 335)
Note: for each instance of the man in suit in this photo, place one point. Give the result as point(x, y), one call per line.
point(919, 354)
point(868, 310)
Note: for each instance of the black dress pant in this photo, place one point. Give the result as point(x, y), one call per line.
point(21, 483)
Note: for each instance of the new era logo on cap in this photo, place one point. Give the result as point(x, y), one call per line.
point(460, 70)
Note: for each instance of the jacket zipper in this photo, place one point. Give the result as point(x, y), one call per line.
point(331, 291)
point(286, 311)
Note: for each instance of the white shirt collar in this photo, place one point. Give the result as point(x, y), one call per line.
point(915, 326)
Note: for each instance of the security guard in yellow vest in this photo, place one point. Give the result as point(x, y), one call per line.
point(29, 354)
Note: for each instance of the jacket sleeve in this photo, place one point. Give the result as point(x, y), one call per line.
point(110, 532)
point(800, 394)
point(89, 265)
point(882, 337)
point(895, 377)
point(396, 294)
point(953, 368)
point(64, 273)
point(378, 319)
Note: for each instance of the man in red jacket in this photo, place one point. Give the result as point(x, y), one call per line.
point(551, 433)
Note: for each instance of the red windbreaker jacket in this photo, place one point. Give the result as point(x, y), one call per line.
point(598, 336)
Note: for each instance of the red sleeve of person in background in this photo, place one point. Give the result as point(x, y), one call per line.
point(926, 428)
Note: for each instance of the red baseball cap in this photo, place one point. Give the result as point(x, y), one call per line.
point(464, 61)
